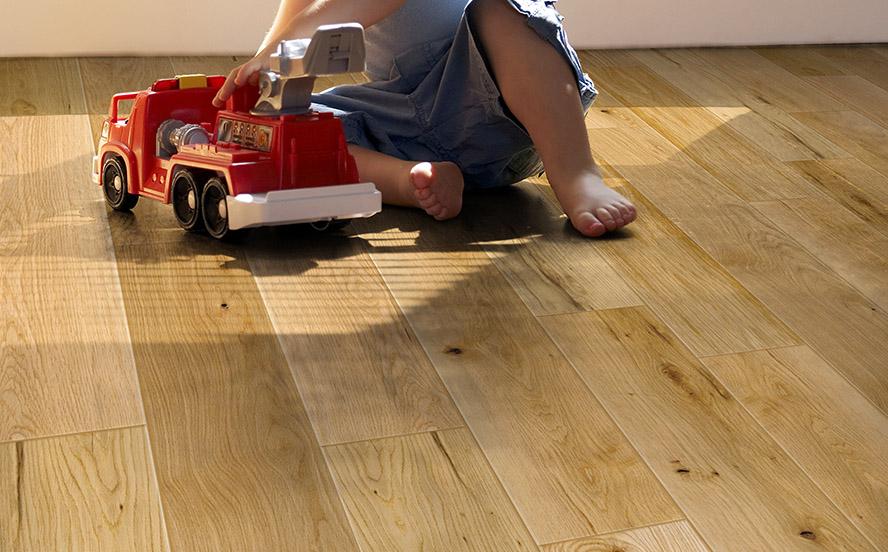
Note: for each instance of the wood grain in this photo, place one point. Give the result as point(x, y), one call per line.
point(838, 437)
point(89, 492)
point(207, 65)
point(552, 268)
point(827, 313)
point(65, 359)
point(801, 61)
point(856, 186)
point(357, 364)
point(858, 94)
point(677, 536)
point(854, 132)
point(759, 121)
point(863, 61)
point(432, 491)
point(737, 486)
point(40, 86)
point(842, 241)
point(738, 164)
point(705, 306)
point(237, 462)
point(565, 465)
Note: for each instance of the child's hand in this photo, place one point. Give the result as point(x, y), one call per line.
point(248, 73)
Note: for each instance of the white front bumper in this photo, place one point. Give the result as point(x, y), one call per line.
point(346, 201)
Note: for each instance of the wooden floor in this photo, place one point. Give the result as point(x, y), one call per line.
point(714, 378)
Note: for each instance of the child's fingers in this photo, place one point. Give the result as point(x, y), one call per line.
point(227, 89)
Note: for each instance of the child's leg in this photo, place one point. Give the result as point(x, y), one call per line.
point(435, 187)
point(540, 89)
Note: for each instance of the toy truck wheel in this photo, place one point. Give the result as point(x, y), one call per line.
point(214, 205)
point(329, 225)
point(114, 185)
point(185, 197)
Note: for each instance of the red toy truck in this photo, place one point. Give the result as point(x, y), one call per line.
point(224, 170)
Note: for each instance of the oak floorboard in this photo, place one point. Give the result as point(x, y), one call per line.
point(801, 61)
point(738, 164)
point(858, 94)
point(359, 368)
point(856, 186)
point(40, 86)
point(677, 536)
point(552, 268)
point(237, 462)
point(706, 307)
point(754, 76)
point(821, 308)
point(851, 247)
point(65, 360)
point(862, 60)
point(432, 491)
point(838, 437)
point(206, 65)
point(89, 492)
point(759, 121)
point(567, 468)
point(736, 485)
point(854, 132)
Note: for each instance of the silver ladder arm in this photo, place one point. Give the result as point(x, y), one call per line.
point(286, 86)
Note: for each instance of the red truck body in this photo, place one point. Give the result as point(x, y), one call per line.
point(253, 156)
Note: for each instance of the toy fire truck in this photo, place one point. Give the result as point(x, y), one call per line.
point(265, 159)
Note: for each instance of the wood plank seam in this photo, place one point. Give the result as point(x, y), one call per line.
point(71, 433)
point(648, 526)
point(786, 452)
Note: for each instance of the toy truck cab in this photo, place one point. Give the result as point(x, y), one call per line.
point(224, 170)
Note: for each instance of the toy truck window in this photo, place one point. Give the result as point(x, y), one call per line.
point(244, 134)
point(123, 109)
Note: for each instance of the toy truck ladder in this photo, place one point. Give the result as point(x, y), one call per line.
point(286, 87)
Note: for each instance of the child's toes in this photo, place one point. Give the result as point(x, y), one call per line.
point(628, 212)
point(422, 193)
point(422, 176)
point(435, 210)
point(606, 218)
point(588, 225)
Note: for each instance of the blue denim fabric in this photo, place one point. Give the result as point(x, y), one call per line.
point(442, 104)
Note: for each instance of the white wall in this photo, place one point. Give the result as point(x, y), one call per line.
point(121, 27)
point(638, 23)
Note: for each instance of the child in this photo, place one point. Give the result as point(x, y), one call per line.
point(484, 93)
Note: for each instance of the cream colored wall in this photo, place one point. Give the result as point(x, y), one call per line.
point(120, 27)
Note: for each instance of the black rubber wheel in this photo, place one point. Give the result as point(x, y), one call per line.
point(185, 197)
point(329, 225)
point(114, 185)
point(214, 207)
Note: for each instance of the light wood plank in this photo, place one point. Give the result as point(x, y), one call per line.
point(754, 76)
point(845, 243)
point(737, 486)
point(801, 61)
point(838, 437)
point(826, 312)
point(359, 367)
point(40, 86)
point(705, 306)
point(207, 65)
point(89, 492)
point(856, 133)
point(677, 536)
point(862, 61)
point(754, 117)
point(237, 461)
point(432, 491)
point(65, 360)
point(741, 166)
point(565, 465)
point(858, 94)
point(857, 187)
point(552, 267)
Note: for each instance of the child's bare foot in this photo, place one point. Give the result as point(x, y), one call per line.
point(593, 208)
point(438, 189)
